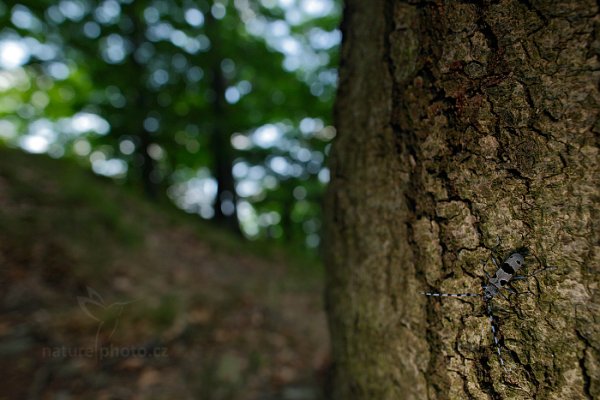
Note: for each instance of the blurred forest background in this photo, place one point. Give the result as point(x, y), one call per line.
point(219, 108)
point(224, 107)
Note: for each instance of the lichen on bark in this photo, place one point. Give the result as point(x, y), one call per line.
point(465, 128)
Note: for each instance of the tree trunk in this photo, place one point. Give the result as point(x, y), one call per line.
point(465, 130)
point(226, 198)
point(147, 170)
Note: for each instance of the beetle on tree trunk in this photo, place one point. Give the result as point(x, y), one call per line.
point(459, 122)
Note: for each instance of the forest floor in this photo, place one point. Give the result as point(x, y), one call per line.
point(107, 296)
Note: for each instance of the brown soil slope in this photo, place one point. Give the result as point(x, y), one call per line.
point(104, 296)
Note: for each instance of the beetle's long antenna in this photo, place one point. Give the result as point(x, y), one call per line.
point(495, 333)
point(451, 294)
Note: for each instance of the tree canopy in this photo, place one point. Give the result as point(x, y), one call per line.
point(223, 106)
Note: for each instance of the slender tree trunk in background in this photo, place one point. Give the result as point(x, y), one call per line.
point(460, 124)
point(147, 169)
point(148, 165)
point(226, 198)
point(287, 224)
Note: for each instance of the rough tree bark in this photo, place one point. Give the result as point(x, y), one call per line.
point(462, 125)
